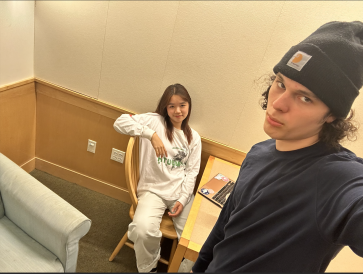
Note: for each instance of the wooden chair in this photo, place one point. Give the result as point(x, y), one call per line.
point(132, 178)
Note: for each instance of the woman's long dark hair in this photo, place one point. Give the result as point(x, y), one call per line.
point(176, 89)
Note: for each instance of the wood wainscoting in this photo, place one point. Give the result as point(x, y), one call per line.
point(17, 122)
point(47, 127)
point(67, 119)
point(65, 122)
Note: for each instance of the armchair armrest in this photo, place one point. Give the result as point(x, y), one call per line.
point(41, 213)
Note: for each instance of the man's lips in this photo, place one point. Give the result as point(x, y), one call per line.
point(273, 121)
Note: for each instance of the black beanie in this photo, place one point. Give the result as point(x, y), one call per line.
point(329, 63)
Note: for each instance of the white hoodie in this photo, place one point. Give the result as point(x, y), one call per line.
point(172, 177)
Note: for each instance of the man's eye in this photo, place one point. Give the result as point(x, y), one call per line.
point(281, 85)
point(305, 99)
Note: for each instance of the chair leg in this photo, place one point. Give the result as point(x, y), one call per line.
point(118, 247)
point(173, 248)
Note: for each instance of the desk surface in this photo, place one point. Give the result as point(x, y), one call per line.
point(202, 216)
point(208, 211)
point(204, 213)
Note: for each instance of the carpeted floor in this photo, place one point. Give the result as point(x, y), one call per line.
point(110, 219)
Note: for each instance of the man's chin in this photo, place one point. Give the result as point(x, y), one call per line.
point(267, 129)
point(271, 132)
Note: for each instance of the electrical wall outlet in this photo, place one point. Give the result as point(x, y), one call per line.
point(91, 147)
point(117, 155)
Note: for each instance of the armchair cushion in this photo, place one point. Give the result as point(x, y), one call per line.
point(18, 251)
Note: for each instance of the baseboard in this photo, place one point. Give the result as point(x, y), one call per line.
point(83, 180)
point(29, 165)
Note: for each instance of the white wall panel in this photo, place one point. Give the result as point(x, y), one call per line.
point(16, 41)
point(298, 19)
point(69, 38)
point(137, 43)
point(127, 52)
point(216, 51)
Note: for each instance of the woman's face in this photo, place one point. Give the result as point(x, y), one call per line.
point(178, 109)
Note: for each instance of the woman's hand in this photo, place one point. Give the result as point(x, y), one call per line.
point(158, 145)
point(177, 209)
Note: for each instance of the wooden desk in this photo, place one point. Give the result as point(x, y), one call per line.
point(203, 214)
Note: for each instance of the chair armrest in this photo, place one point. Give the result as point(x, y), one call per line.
point(41, 213)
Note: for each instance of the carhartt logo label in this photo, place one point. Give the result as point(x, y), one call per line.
point(298, 60)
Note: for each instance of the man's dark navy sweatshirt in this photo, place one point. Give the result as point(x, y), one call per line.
point(289, 211)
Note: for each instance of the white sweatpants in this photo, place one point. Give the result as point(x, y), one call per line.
point(145, 232)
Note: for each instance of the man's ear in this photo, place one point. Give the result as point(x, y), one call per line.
point(330, 118)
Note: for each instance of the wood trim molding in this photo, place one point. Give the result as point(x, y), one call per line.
point(222, 151)
point(29, 165)
point(17, 84)
point(83, 180)
point(79, 99)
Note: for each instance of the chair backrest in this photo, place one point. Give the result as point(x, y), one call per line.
point(132, 170)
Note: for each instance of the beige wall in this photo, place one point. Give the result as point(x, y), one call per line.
point(126, 53)
point(16, 41)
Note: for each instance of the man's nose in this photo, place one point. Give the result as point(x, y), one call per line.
point(282, 102)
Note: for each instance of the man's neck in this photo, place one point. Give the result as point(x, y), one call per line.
point(289, 145)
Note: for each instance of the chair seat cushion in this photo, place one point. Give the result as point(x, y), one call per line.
point(20, 253)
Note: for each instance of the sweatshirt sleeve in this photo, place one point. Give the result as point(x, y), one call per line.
point(340, 205)
point(191, 171)
point(135, 125)
point(216, 236)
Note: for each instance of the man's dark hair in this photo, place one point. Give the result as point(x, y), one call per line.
point(332, 133)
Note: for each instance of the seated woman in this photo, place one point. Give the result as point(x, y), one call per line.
point(170, 153)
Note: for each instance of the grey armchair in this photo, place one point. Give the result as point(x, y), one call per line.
point(39, 231)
